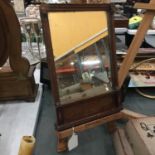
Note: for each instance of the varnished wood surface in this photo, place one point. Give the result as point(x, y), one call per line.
point(111, 119)
point(89, 125)
point(135, 45)
point(145, 6)
point(69, 115)
point(20, 83)
point(120, 22)
point(17, 87)
point(3, 41)
point(87, 110)
point(114, 117)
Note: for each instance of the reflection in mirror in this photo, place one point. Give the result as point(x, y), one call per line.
point(81, 51)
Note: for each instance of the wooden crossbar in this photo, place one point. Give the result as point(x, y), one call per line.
point(124, 114)
point(145, 6)
point(136, 42)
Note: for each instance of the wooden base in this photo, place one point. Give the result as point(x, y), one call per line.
point(61, 145)
point(124, 114)
point(17, 87)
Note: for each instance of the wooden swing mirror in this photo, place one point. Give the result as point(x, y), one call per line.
point(16, 78)
point(80, 46)
point(87, 108)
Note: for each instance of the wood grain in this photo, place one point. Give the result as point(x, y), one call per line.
point(134, 47)
point(84, 110)
point(89, 125)
point(19, 83)
point(145, 6)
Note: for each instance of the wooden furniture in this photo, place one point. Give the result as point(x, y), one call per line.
point(123, 114)
point(90, 112)
point(74, 46)
point(138, 39)
point(121, 21)
point(83, 101)
point(16, 80)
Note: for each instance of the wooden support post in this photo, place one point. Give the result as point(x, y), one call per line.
point(145, 6)
point(135, 45)
point(61, 144)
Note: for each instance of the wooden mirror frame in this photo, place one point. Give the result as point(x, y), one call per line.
point(87, 109)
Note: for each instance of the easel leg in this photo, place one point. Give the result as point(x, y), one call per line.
point(61, 144)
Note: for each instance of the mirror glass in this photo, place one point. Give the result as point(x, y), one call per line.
point(81, 51)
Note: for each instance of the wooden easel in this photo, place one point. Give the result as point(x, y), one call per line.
point(62, 136)
point(17, 80)
point(132, 51)
point(138, 39)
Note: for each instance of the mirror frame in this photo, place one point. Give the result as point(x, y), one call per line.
point(65, 113)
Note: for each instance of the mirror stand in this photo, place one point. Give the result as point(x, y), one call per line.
point(64, 134)
point(16, 79)
point(125, 113)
